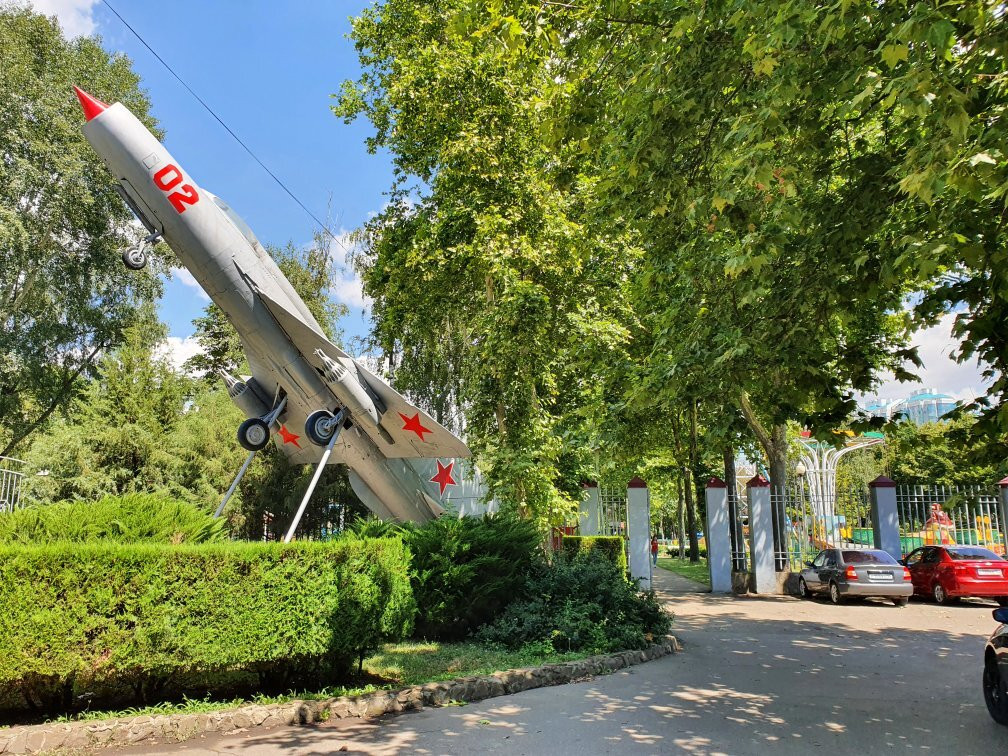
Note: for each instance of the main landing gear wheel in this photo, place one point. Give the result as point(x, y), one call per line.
point(320, 426)
point(253, 434)
point(135, 258)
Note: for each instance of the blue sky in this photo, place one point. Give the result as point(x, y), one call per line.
point(269, 76)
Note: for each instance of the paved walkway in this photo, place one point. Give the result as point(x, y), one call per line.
point(758, 675)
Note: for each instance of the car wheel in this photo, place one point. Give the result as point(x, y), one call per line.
point(803, 588)
point(834, 593)
point(1002, 600)
point(995, 693)
point(900, 601)
point(939, 594)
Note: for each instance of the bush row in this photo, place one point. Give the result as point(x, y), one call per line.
point(464, 571)
point(612, 548)
point(132, 622)
point(133, 518)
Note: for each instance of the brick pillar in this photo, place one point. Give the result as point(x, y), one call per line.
point(718, 536)
point(761, 536)
point(885, 516)
point(588, 512)
point(639, 533)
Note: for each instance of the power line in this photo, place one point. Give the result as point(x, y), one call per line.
point(227, 128)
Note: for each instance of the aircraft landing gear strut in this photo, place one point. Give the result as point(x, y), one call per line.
point(135, 258)
point(334, 426)
point(251, 437)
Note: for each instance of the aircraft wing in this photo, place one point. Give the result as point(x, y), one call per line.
point(409, 431)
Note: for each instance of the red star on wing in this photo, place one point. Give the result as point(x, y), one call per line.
point(444, 476)
point(288, 437)
point(414, 424)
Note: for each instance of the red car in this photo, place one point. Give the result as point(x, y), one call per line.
point(950, 572)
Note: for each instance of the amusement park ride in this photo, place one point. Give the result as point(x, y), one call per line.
point(319, 404)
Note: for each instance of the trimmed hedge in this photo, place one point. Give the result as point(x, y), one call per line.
point(133, 518)
point(612, 547)
point(142, 622)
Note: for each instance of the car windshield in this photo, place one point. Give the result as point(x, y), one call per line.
point(867, 557)
point(961, 553)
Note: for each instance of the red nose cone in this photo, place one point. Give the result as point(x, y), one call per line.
point(91, 106)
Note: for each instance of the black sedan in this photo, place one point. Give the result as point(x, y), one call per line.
point(995, 674)
point(856, 572)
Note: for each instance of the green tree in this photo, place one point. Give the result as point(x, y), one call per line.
point(947, 453)
point(65, 297)
point(113, 439)
point(489, 296)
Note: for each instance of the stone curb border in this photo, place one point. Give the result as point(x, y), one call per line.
point(179, 727)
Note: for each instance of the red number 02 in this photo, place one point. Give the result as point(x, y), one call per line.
point(167, 179)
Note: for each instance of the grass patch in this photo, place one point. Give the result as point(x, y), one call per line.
point(696, 571)
point(394, 665)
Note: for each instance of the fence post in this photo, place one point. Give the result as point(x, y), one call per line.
point(885, 517)
point(761, 536)
point(718, 536)
point(588, 512)
point(639, 533)
point(1003, 512)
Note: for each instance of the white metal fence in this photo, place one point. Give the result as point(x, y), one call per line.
point(11, 476)
point(612, 511)
point(738, 518)
point(805, 522)
point(932, 515)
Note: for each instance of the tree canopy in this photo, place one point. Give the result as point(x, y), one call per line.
point(65, 297)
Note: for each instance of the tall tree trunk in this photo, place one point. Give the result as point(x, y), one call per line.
point(694, 544)
point(775, 445)
point(698, 483)
point(682, 526)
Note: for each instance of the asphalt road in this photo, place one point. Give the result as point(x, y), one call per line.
point(757, 675)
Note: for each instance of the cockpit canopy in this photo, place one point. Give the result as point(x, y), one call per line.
point(239, 223)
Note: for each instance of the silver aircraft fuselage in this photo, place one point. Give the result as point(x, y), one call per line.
point(390, 446)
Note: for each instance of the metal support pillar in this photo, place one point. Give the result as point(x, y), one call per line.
point(1003, 512)
point(718, 537)
point(237, 480)
point(338, 422)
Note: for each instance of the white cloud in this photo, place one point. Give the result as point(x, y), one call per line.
point(936, 347)
point(76, 17)
point(178, 350)
point(348, 287)
point(188, 279)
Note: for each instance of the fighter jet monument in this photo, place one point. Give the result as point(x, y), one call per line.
point(319, 404)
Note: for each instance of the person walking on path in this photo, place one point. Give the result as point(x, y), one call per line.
point(654, 550)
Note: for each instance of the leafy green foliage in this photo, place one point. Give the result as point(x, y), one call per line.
point(580, 603)
point(142, 622)
point(65, 296)
point(612, 548)
point(133, 518)
point(464, 571)
point(947, 453)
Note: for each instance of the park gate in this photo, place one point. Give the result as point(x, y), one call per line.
point(806, 521)
point(613, 511)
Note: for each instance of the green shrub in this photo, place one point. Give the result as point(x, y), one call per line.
point(131, 623)
point(133, 518)
point(580, 603)
point(612, 547)
point(464, 570)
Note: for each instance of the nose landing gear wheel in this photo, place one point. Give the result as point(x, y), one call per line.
point(253, 434)
point(320, 426)
point(135, 258)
